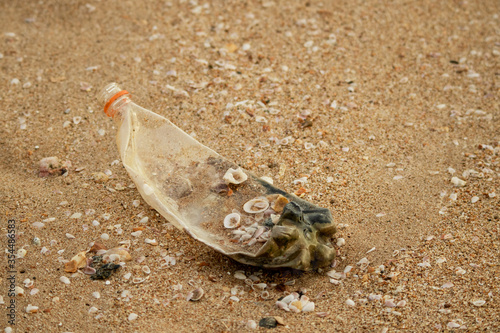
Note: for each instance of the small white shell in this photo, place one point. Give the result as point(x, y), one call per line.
point(309, 307)
point(479, 302)
point(235, 176)
point(64, 280)
point(257, 205)
point(232, 220)
point(21, 253)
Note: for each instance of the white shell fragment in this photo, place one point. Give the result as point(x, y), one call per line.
point(309, 307)
point(19, 291)
point(64, 280)
point(240, 275)
point(21, 253)
point(458, 182)
point(235, 176)
point(31, 308)
point(350, 302)
point(257, 205)
point(232, 220)
point(479, 302)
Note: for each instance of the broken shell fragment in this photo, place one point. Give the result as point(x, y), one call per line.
point(19, 291)
point(31, 308)
point(309, 307)
point(232, 221)
point(49, 166)
point(96, 247)
point(88, 270)
point(78, 261)
point(280, 203)
point(195, 295)
point(119, 253)
point(257, 205)
point(235, 176)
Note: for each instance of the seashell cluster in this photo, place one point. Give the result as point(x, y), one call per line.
point(295, 303)
point(259, 209)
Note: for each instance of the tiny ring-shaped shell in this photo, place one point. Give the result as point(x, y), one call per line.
point(257, 205)
point(232, 220)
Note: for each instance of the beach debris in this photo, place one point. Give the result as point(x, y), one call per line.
point(132, 316)
point(51, 166)
point(104, 271)
point(292, 233)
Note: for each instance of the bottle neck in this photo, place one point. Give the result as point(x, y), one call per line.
point(115, 99)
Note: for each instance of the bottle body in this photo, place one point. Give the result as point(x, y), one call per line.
point(213, 199)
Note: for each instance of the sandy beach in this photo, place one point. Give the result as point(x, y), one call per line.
point(385, 112)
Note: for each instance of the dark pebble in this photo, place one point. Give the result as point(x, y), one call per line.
point(268, 322)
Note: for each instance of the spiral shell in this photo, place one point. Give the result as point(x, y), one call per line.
point(232, 221)
point(257, 205)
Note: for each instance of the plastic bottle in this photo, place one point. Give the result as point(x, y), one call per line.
point(211, 198)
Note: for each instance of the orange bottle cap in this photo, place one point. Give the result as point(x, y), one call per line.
point(111, 100)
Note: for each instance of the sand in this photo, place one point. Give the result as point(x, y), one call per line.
point(393, 94)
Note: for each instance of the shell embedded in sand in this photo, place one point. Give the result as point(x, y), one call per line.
point(257, 205)
point(78, 261)
point(195, 295)
point(232, 221)
point(235, 176)
point(117, 254)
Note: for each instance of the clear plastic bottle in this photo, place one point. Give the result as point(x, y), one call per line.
point(211, 198)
